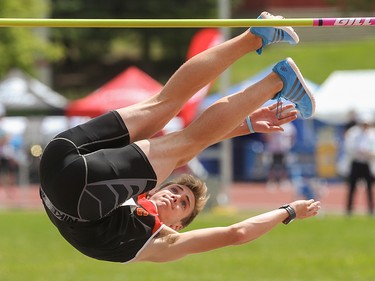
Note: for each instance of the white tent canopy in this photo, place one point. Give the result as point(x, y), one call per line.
point(22, 94)
point(343, 92)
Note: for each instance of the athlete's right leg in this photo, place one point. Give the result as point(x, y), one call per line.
point(147, 118)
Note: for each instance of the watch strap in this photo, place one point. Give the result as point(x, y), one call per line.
point(291, 212)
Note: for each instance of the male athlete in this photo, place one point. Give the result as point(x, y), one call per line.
point(102, 183)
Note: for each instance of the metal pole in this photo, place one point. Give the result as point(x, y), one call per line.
point(184, 23)
point(226, 165)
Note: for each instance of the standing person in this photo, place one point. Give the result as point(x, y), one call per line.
point(4, 161)
point(359, 147)
point(102, 183)
point(352, 120)
point(278, 145)
point(344, 163)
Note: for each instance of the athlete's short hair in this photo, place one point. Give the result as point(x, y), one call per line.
point(199, 189)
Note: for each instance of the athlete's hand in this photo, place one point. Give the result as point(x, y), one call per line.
point(305, 208)
point(265, 119)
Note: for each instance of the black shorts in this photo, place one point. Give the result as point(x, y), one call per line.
point(90, 170)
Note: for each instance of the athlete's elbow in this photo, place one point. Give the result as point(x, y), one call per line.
point(238, 235)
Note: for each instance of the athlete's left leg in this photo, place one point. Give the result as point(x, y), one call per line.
point(224, 118)
point(219, 121)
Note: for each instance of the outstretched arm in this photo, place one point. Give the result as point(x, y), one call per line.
point(177, 245)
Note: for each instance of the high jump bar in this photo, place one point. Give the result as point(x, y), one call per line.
point(184, 23)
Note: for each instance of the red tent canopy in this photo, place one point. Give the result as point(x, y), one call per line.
point(202, 40)
point(127, 88)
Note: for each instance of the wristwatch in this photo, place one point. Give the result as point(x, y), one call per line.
point(291, 212)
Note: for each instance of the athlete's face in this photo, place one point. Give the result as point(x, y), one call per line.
point(174, 202)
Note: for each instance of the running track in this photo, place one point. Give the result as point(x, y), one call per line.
point(242, 196)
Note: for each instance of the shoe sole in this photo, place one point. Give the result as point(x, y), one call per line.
point(302, 81)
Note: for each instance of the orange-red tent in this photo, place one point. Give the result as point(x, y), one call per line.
point(127, 88)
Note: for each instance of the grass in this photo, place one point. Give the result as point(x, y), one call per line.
point(323, 248)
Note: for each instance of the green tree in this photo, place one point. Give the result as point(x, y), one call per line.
point(23, 48)
point(94, 55)
point(88, 44)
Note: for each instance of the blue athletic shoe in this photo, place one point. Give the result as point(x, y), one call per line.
point(295, 88)
point(271, 35)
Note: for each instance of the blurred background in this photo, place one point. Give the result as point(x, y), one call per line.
point(55, 78)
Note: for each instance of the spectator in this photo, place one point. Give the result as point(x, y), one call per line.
point(278, 146)
point(352, 120)
point(359, 147)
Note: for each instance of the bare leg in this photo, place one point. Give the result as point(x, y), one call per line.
point(218, 122)
point(149, 117)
